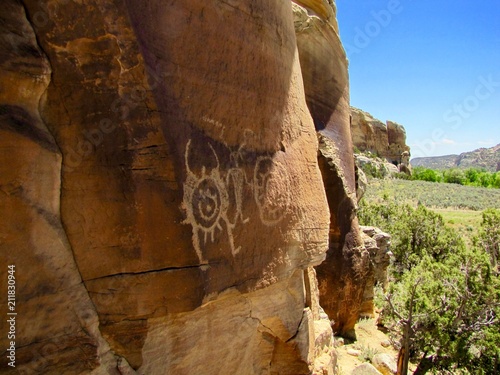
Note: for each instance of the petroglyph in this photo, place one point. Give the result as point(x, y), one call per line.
point(206, 202)
point(271, 196)
point(213, 202)
point(215, 123)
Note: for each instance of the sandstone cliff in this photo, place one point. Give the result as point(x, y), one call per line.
point(323, 61)
point(385, 140)
point(162, 199)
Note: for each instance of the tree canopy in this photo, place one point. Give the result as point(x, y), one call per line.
point(443, 303)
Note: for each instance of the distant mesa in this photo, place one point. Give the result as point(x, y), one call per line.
point(386, 141)
point(487, 158)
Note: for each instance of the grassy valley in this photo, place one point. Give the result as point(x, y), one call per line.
point(461, 206)
point(433, 195)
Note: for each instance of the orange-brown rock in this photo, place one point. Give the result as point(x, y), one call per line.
point(384, 140)
point(324, 68)
point(377, 244)
point(396, 137)
point(322, 8)
point(161, 196)
point(368, 133)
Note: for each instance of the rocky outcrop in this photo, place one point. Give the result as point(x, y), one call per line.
point(361, 183)
point(396, 138)
point(324, 69)
point(377, 244)
point(384, 140)
point(376, 167)
point(368, 133)
point(487, 158)
point(161, 196)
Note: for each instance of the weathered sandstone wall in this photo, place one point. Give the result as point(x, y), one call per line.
point(324, 68)
point(162, 198)
point(385, 140)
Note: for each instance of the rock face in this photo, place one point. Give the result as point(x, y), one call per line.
point(385, 140)
point(162, 198)
point(324, 68)
point(377, 244)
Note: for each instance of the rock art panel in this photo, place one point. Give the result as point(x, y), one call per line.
point(206, 202)
point(272, 201)
point(177, 182)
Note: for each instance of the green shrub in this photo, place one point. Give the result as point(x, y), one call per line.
point(454, 176)
point(425, 174)
point(416, 233)
point(443, 301)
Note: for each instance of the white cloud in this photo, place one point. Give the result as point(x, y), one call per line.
point(448, 141)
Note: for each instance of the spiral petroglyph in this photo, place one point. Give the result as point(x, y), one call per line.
point(271, 196)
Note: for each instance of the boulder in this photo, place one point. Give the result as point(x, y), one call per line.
point(385, 364)
point(365, 369)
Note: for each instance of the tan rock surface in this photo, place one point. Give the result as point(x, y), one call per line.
point(385, 363)
point(324, 69)
point(161, 195)
point(377, 244)
point(396, 135)
point(322, 8)
point(384, 140)
point(365, 369)
point(369, 133)
point(56, 321)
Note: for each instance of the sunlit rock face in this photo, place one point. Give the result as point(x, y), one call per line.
point(324, 68)
point(387, 140)
point(377, 245)
point(161, 195)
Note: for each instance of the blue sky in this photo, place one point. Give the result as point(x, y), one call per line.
point(432, 66)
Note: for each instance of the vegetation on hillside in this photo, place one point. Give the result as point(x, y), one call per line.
point(443, 302)
point(470, 177)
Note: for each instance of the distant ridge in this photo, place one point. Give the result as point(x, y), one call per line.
point(487, 158)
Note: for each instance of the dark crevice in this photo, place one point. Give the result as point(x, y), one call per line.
point(297, 330)
point(167, 269)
